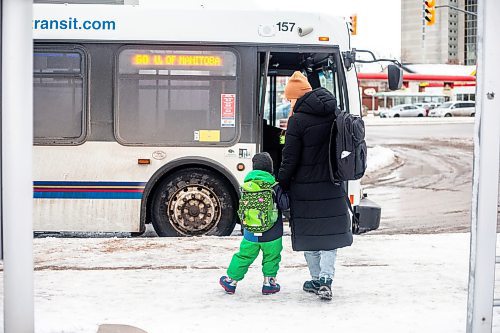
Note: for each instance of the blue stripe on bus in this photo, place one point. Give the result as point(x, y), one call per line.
point(86, 183)
point(87, 195)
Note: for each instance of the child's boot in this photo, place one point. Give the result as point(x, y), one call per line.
point(228, 284)
point(325, 288)
point(270, 286)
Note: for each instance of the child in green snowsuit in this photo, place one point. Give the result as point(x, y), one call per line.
point(270, 241)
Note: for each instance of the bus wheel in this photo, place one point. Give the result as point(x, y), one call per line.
point(193, 202)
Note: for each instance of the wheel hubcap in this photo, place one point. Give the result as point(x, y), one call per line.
point(194, 210)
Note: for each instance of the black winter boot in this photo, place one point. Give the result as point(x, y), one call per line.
point(325, 288)
point(311, 286)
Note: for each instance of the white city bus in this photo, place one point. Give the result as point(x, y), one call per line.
point(149, 114)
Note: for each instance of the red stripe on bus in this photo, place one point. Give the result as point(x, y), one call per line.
point(85, 190)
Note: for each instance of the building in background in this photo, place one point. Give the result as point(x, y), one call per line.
point(438, 60)
point(422, 83)
point(441, 43)
point(470, 32)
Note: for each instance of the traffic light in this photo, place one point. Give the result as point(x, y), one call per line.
point(430, 12)
point(353, 24)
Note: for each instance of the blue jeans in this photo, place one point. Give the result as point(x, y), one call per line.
point(321, 263)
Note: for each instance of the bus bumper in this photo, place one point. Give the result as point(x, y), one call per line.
point(368, 213)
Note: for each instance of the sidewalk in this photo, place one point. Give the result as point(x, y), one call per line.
point(397, 283)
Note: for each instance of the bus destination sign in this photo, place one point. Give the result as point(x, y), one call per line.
point(173, 60)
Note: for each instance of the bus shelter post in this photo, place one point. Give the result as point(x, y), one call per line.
point(486, 173)
point(17, 183)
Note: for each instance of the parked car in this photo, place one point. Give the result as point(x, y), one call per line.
point(403, 110)
point(427, 106)
point(454, 109)
point(282, 110)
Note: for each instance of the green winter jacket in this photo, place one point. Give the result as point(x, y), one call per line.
point(260, 175)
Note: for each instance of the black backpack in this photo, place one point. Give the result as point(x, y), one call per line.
point(347, 148)
point(347, 154)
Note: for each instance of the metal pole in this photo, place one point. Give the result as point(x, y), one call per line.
point(423, 33)
point(486, 172)
point(457, 9)
point(17, 184)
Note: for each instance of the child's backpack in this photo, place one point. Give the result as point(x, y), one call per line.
point(347, 148)
point(257, 210)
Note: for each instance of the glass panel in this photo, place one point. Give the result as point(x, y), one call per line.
point(184, 92)
point(331, 81)
point(58, 96)
point(166, 111)
point(57, 62)
point(283, 106)
point(58, 108)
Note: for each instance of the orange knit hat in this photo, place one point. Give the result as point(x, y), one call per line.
point(297, 86)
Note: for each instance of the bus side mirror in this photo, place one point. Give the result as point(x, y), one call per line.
point(395, 77)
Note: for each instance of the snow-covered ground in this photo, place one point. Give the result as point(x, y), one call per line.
point(398, 283)
point(378, 158)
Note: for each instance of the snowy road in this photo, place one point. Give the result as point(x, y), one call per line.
point(428, 189)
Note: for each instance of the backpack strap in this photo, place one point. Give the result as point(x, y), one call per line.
point(355, 220)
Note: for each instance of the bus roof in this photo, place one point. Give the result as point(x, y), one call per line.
point(161, 23)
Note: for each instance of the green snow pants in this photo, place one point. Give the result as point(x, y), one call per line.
point(271, 257)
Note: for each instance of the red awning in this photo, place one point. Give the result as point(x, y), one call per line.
point(419, 77)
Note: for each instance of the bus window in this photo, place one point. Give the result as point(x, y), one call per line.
point(331, 81)
point(58, 93)
point(167, 96)
point(282, 109)
point(263, 82)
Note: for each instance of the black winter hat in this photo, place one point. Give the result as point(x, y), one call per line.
point(263, 161)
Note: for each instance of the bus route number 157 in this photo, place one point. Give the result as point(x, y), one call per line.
point(285, 26)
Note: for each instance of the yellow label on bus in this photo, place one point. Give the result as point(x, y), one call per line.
point(209, 135)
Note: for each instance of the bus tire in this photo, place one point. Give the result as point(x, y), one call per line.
point(193, 202)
